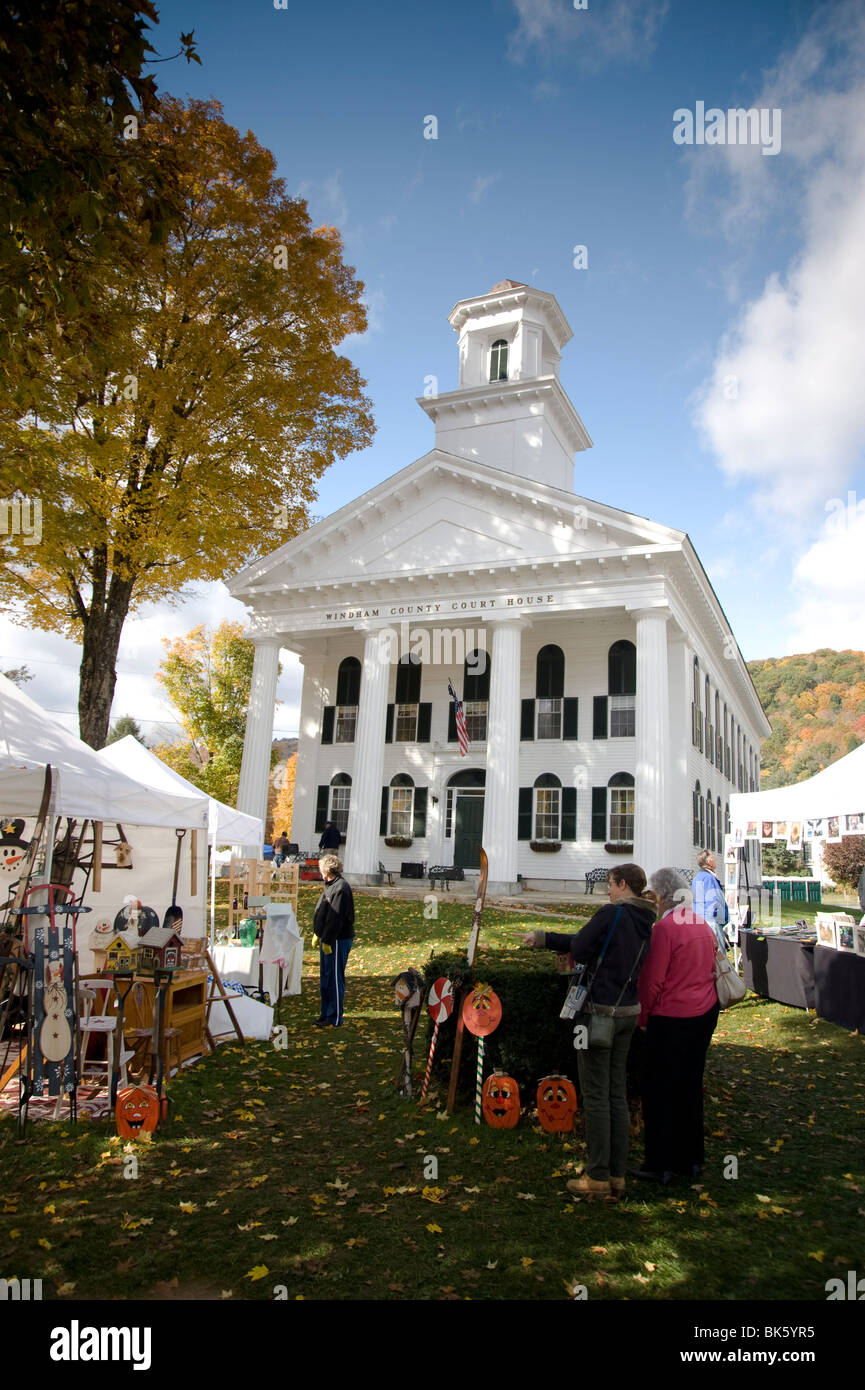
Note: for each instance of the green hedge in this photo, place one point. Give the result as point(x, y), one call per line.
point(531, 1041)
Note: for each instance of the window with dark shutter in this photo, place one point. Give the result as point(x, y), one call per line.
point(452, 723)
point(570, 724)
point(388, 725)
point(420, 802)
point(321, 804)
point(569, 813)
point(527, 721)
point(524, 814)
point(382, 825)
point(424, 723)
point(599, 813)
point(327, 717)
point(599, 717)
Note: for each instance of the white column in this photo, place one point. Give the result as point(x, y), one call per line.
point(503, 756)
point(308, 751)
point(258, 741)
point(652, 837)
point(362, 838)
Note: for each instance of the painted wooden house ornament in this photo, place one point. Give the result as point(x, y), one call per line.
point(159, 950)
point(501, 1101)
point(557, 1104)
point(121, 951)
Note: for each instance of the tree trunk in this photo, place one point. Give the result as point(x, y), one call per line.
point(102, 631)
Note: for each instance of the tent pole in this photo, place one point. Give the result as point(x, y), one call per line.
point(213, 892)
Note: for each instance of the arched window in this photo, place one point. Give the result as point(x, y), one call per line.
point(710, 732)
point(726, 745)
point(621, 786)
point(696, 709)
point(340, 801)
point(696, 808)
point(720, 823)
point(407, 698)
point(719, 747)
point(401, 804)
point(710, 821)
point(727, 819)
point(347, 700)
point(499, 360)
point(476, 694)
point(548, 807)
point(622, 688)
point(549, 690)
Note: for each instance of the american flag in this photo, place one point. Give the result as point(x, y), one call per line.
point(459, 717)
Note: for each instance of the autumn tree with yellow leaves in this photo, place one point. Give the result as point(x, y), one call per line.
point(198, 448)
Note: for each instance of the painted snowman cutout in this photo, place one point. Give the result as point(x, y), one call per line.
point(55, 1036)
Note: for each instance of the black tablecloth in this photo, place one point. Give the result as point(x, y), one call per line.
point(839, 979)
point(779, 968)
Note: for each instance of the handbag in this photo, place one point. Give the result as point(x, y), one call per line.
point(730, 986)
point(602, 1026)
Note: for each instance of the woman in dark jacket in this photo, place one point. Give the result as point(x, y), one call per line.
point(333, 929)
point(613, 945)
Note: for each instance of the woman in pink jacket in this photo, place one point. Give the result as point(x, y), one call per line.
point(679, 1013)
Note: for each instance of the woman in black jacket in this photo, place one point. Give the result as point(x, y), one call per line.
point(333, 928)
point(613, 946)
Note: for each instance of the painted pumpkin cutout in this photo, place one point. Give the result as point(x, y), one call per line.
point(482, 1011)
point(501, 1101)
point(137, 1109)
point(557, 1104)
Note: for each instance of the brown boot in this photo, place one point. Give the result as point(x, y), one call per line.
point(589, 1187)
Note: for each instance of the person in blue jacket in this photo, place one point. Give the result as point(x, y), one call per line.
point(709, 900)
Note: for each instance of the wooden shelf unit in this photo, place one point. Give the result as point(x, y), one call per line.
point(185, 1008)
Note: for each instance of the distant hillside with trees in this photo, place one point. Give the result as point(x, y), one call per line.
point(816, 705)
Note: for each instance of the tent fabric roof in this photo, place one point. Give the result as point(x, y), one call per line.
point(225, 825)
point(839, 790)
point(86, 785)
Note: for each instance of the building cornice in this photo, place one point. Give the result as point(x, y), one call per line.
point(465, 404)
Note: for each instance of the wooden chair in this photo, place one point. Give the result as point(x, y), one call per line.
point(95, 1020)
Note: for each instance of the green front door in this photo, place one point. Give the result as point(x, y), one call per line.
point(469, 831)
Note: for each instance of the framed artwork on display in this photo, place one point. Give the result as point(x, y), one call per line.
point(826, 930)
point(855, 824)
point(814, 829)
point(751, 830)
point(738, 835)
point(780, 830)
point(833, 830)
point(794, 835)
point(859, 939)
point(767, 832)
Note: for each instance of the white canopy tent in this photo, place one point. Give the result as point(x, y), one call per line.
point(839, 790)
point(225, 825)
point(86, 785)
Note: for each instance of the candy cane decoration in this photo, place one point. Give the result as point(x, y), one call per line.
point(480, 1081)
point(440, 1003)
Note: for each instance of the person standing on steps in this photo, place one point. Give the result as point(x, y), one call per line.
point(330, 837)
point(333, 932)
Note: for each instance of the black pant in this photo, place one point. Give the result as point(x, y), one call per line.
point(673, 1090)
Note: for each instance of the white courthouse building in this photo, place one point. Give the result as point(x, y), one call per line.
point(610, 714)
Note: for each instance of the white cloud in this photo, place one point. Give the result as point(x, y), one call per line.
point(827, 587)
point(482, 183)
point(784, 406)
point(618, 31)
point(326, 198)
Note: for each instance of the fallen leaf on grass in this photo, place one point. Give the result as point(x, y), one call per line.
point(257, 1272)
point(64, 1289)
point(433, 1229)
point(817, 1255)
point(188, 1207)
point(526, 1261)
point(761, 1198)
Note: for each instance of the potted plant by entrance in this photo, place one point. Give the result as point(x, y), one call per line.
point(545, 846)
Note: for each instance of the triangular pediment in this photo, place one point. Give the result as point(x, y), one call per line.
point(446, 513)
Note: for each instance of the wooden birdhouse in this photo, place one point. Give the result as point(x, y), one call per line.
point(122, 952)
point(160, 949)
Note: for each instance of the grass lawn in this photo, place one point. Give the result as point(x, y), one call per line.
point(301, 1167)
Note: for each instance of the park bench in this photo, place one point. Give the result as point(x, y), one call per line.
point(445, 873)
point(386, 873)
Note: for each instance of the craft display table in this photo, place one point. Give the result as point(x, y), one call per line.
point(778, 968)
point(185, 1007)
point(839, 983)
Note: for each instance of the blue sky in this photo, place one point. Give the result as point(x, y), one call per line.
point(718, 355)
